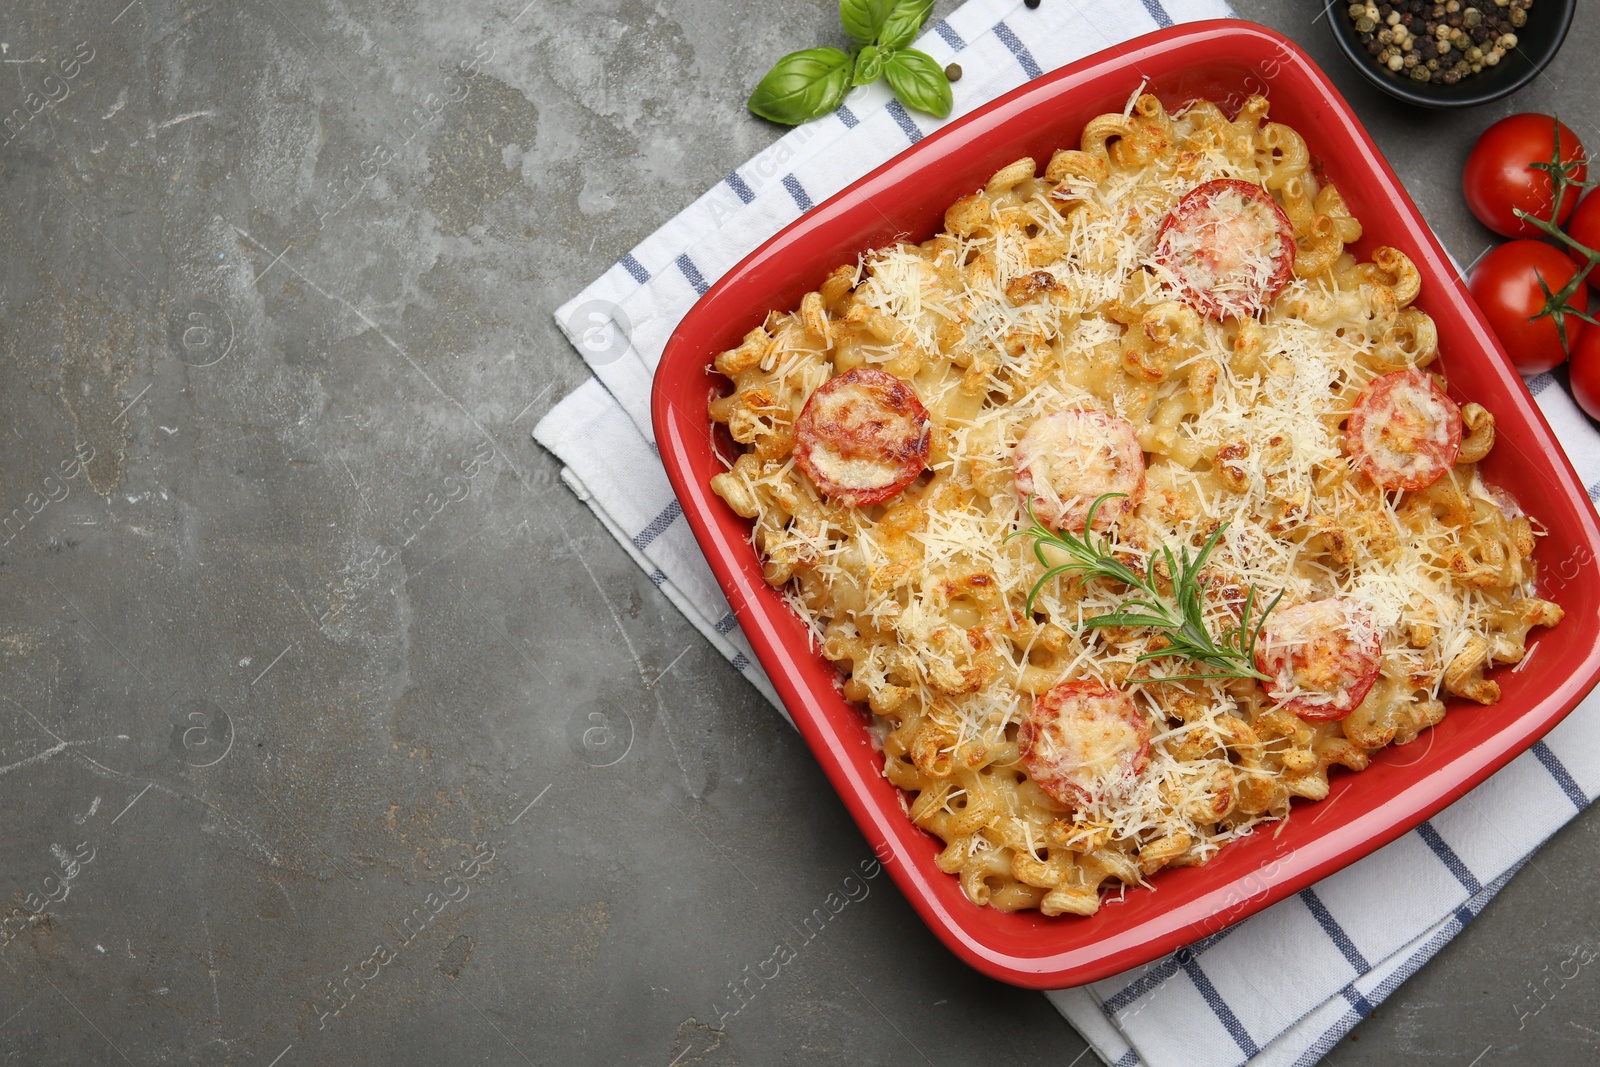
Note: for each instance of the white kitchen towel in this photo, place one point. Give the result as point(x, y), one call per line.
point(1279, 988)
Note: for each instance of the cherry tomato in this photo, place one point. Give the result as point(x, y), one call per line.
point(1083, 739)
point(862, 437)
point(1230, 247)
point(1585, 371)
point(1584, 227)
point(1403, 430)
point(1498, 179)
point(1323, 656)
point(1505, 283)
point(1068, 460)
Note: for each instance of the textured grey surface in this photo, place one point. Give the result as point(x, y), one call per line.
point(316, 620)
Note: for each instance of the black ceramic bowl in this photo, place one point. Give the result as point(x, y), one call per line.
point(1537, 44)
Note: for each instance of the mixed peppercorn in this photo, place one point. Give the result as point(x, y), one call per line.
point(1443, 43)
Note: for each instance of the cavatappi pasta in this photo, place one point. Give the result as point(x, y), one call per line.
point(1055, 292)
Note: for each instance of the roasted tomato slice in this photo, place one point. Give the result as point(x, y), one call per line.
point(1403, 430)
point(1082, 740)
point(1068, 460)
point(1323, 656)
point(1230, 247)
point(862, 437)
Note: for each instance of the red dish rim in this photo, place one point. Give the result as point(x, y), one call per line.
point(906, 198)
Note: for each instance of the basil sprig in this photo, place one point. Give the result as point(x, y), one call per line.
point(863, 19)
point(802, 86)
point(869, 65)
point(919, 81)
point(904, 20)
point(806, 84)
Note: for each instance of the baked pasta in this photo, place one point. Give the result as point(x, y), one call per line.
point(1158, 355)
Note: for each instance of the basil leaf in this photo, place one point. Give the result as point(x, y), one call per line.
point(803, 85)
point(906, 18)
point(863, 19)
point(919, 82)
point(869, 65)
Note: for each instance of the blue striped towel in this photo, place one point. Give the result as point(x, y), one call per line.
point(1238, 996)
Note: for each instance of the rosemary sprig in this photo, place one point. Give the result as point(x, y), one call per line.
point(1230, 654)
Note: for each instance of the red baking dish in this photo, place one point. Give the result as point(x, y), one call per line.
point(906, 198)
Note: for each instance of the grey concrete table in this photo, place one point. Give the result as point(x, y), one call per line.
point(299, 649)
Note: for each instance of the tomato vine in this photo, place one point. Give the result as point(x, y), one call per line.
point(1558, 303)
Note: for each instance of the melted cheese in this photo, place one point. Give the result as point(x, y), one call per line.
point(989, 368)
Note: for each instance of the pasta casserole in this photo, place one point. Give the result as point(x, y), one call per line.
point(1129, 504)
